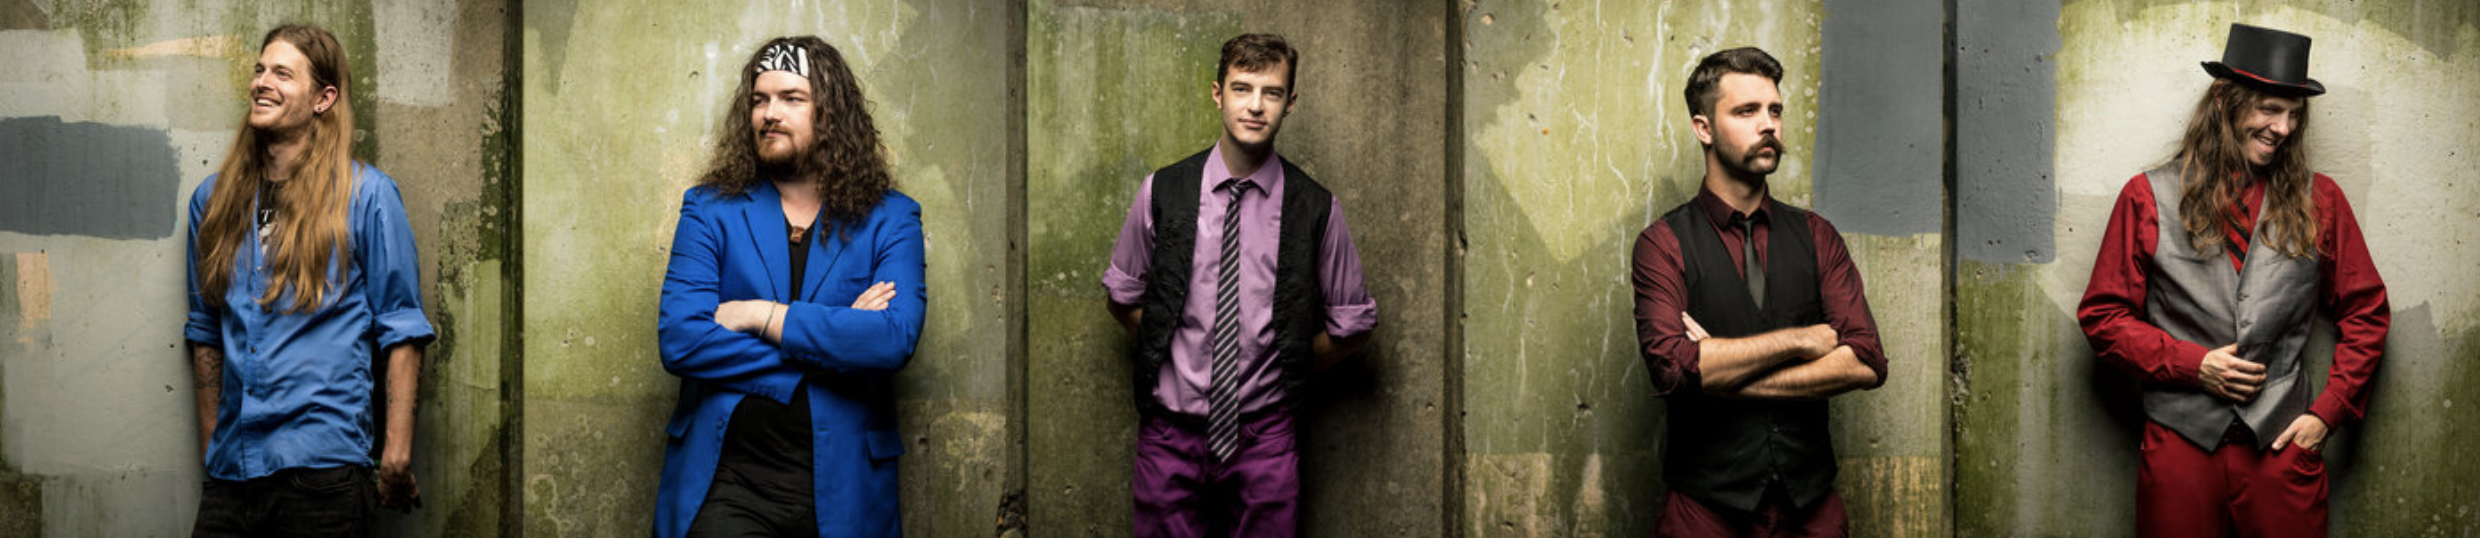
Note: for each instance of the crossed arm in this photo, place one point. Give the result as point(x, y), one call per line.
point(1808, 362)
point(1795, 363)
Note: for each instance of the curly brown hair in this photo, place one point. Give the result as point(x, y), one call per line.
point(848, 160)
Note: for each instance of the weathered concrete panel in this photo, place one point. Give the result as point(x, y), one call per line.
point(1881, 123)
point(97, 432)
point(2004, 86)
point(1120, 88)
point(1577, 138)
point(622, 99)
point(2046, 438)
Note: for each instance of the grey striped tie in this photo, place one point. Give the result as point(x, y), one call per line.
point(1223, 395)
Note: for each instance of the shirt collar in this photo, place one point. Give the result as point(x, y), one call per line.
point(1268, 174)
point(1719, 212)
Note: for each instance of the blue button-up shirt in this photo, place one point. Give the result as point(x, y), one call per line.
point(297, 387)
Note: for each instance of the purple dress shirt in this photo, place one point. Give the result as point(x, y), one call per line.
point(1182, 386)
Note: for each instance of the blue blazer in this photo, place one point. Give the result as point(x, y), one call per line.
point(730, 248)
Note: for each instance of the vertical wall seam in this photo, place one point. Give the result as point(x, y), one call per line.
point(512, 273)
point(1018, 454)
point(1451, 408)
point(1946, 285)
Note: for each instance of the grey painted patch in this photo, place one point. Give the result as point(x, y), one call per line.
point(1880, 123)
point(2006, 90)
point(87, 179)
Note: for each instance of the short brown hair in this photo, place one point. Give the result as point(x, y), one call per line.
point(1702, 83)
point(1251, 52)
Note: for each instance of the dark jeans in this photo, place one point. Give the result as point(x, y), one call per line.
point(293, 502)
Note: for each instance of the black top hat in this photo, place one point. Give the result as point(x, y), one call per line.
point(2270, 60)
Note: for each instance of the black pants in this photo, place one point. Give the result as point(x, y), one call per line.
point(293, 502)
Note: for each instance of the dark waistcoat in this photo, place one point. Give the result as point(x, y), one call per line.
point(2197, 297)
point(1299, 301)
point(1728, 452)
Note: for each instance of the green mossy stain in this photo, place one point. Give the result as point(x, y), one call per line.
point(495, 231)
point(1993, 340)
point(1116, 94)
point(21, 502)
point(477, 511)
point(2409, 463)
point(21, 495)
point(104, 24)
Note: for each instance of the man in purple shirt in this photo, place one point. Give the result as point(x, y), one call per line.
point(1262, 288)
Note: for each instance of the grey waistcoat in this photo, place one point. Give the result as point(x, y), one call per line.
point(2198, 298)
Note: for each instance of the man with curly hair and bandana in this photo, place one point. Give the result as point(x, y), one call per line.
point(794, 291)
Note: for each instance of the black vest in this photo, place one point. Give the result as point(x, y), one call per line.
point(1728, 452)
point(1299, 301)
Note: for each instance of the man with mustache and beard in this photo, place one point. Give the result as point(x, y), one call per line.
point(2204, 290)
point(794, 291)
point(1748, 328)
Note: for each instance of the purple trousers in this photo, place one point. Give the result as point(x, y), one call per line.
point(1182, 492)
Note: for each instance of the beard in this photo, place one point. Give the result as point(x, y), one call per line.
point(778, 157)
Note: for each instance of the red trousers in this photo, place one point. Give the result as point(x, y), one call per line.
point(2233, 491)
point(1684, 516)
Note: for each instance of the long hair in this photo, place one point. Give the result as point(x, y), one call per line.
point(2212, 160)
point(851, 172)
point(312, 235)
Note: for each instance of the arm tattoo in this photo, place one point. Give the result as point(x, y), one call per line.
point(208, 365)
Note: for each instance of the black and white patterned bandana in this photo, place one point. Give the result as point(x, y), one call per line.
point(784, 57)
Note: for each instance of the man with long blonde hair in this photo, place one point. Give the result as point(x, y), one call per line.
point(2204, 290)
point(302, 272)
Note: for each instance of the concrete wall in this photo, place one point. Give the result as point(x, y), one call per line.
point(2045, 438)
point(1494, 159)
point(1119, 88)
point(113, 114)
point(1577, 138)
point(622, 102)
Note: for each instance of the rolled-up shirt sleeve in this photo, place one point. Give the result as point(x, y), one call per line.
point(1661, 296)
point(1131, 254)
point(1846, 298)
point(1349, 308)
point(206, 320)
point(391, 268)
